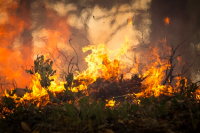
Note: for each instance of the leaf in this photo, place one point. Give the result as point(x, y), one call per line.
point(25, 127)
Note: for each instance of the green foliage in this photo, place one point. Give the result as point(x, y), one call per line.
point(44, 68)
point(151, 106)
point(69, 78)
point(123, 110)
point(86, 114)
point(90, 109)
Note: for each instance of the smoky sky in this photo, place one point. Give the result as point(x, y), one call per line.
point(184, 26)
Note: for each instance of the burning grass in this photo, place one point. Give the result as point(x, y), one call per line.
point(100, 99)
point(179, 113)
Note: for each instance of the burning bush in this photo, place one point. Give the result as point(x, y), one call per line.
point(101, 99)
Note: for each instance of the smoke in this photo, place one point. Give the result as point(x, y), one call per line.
point(29, 28)
point(182, 27)
point(62, 28)
point(15, 38)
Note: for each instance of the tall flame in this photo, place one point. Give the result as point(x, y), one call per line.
point(99, 64)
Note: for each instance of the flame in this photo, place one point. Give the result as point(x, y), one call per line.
point(198, 94)
point(130, 21)
point(12, 55)
point(166, 20)
point(99, 64)
point(110, 103)
point(17, 51)
point(154, 72)
point(38, 93)
point(21, 39)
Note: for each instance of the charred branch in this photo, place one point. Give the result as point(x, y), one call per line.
point(169, 70)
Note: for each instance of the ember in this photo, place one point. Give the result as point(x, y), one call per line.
point(166, 20)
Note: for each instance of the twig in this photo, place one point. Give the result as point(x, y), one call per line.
point(69, 65)
point(171, 59)
point(115, 13)
point(75, 52)
point(122, 96)
point(143, 40)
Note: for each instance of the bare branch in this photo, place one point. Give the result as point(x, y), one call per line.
point(171, 59)
point(70, 64)
point(75, 52)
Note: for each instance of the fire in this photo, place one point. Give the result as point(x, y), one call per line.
point(154, 72)
point(99, 64)
point(22, 39)
point(166, 20)
point(110, 103)
point(12, 55)
point(38, 93)
point(130, 21)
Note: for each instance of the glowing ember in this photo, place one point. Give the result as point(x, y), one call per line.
point(166, 20)
point(110, 103)
point(130, 21)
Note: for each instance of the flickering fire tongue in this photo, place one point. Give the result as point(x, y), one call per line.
point(23, 37)
point(99, 66)
point(107, 71)
point(14, 51)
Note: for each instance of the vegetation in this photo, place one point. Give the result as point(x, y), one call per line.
point(178, 112)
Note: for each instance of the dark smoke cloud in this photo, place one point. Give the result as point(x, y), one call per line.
point(182, 27)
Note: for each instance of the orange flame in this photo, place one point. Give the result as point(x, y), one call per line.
point(19, 40)
point(12, 55)
point(154, 72)
point(130, 21)
point(99, 64)
point(166, 20)
point(110, 103)
point(39, 94)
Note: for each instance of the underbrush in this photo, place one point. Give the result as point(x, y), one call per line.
point(179, 112)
